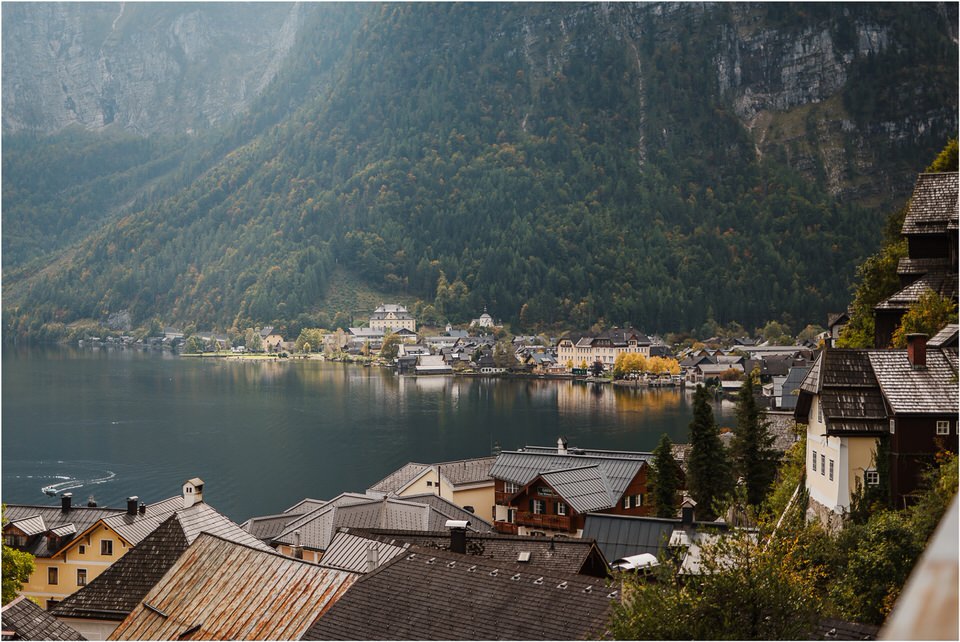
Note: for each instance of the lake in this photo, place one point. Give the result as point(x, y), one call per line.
point(264, 434)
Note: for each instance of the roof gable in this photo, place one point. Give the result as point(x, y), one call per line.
point(617, 468)
point(933, 205)
point(585, 488)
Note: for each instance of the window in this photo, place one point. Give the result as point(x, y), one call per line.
point(823, 464)
point(13, 539)
point(510, 487)
point(819, 411)
point(814, 461)
point(106, 547)
point(638, 500)
point(943, 427)
point(893, 426)
point(626, 501)
point(561, 508)
point(511, 515)
point(538, 506)
point(53, 575)
point(83, 549)
point(429, 483)
point(81, 577)
point(831, 470)
point(872, 477)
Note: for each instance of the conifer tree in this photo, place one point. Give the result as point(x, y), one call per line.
point(665, 478)
point(753, 455)
point(708, 470)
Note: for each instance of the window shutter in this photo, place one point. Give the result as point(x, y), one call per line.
point(531, 505)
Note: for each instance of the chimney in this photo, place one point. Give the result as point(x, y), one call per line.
point(132, 505)
point(561, 446)
point(143, 508)
point(65, 501)
point(91, 502)
point(917, 350)
point(458, 535)
point(373, 557)
point(297, 548)
point(192, 492)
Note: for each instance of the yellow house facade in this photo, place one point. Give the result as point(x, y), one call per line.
point(465, 483)
point(836, 466)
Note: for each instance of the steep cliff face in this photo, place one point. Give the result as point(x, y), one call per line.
point(148, 68)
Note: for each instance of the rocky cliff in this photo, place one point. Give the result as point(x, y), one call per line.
point(146, 67)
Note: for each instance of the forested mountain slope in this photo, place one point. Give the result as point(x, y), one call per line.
point(558, 163)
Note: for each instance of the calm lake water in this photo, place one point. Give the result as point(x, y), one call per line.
point(265, 434)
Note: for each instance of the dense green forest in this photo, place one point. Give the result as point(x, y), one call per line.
point(594, 172)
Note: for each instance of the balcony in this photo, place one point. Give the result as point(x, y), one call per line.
point(548, 522)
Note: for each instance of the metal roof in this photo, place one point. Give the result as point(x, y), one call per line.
point(30, 525)
point(619, 469)
point(221, 590)
point(620, 536)
point(116, 591)
point(349, 552)
point(134, 528)
point(585, 488)
point(53, 517)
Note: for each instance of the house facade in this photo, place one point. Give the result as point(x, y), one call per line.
point(72, 545)
point(391, 317)
point(466, 483)
point(540, 490)
point(860, 404)
point(575, 350)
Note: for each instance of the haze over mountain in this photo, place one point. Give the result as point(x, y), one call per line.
point(657, 164)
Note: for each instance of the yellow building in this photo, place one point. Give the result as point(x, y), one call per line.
point(74, 544)
point(465, 483)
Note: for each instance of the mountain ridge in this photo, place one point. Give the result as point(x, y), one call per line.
point(555, 163)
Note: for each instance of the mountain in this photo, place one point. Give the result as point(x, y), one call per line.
point(666, 165)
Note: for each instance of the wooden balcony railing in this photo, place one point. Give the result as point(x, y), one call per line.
point(551, 522)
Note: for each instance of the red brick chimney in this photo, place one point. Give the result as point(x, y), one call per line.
point(917, 350)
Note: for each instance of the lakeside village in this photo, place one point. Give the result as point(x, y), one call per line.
point(846, 529)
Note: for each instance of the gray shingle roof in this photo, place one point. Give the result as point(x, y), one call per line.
point(933, 205)
point(930, 390)
point(559, 555)
point(399, 478)
point(24, 620)
point(438, 595)
point(468, 471)
point(947, 337)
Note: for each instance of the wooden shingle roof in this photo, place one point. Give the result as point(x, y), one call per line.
point(219, 590)
point(933, 205)
point(849, 392)
point(24, 620)
point(439, 595)
point(943, 283)
point(115, 592)
point(909, 390)
point(560, 555)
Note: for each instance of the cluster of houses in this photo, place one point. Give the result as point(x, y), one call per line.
point(526, 544)
point(521, 545)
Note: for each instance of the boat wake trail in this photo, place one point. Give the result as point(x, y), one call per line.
point(72, 483)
